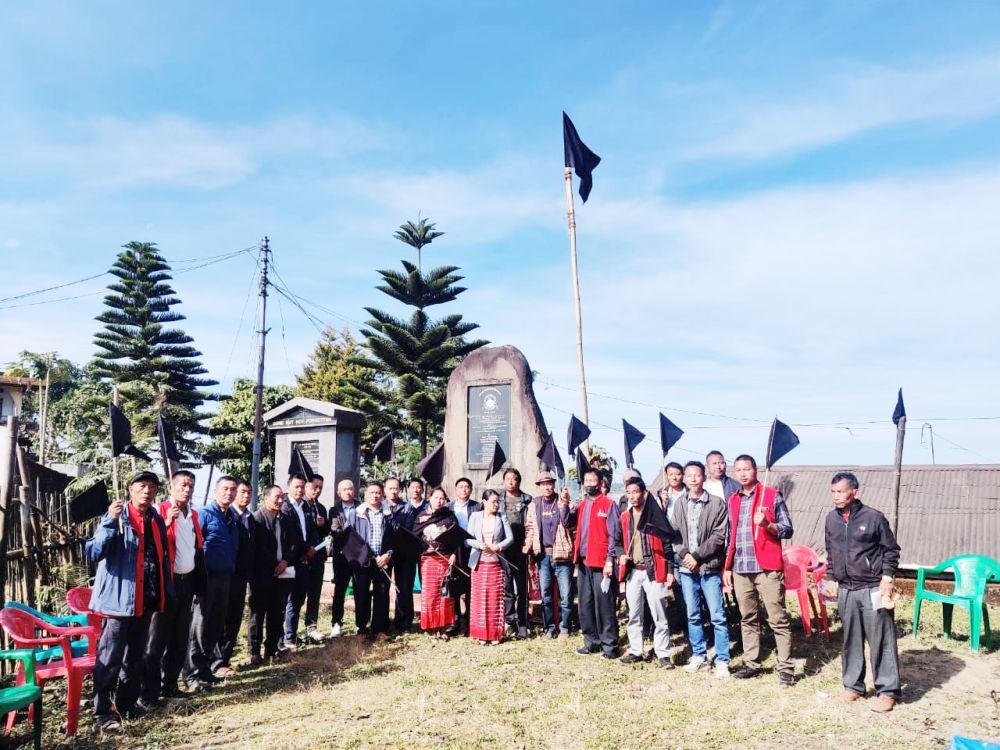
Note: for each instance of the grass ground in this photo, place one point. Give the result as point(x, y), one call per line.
point(412, 692)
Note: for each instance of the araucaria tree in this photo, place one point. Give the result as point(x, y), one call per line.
point(420, 353)
point(154, 366)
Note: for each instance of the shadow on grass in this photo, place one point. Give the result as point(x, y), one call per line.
point(926, 669)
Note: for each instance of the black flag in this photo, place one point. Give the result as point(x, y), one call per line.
point(550, 458)
point(654, 521)
point(355, 548)
point(499, 459)
point(576, 435)
point(582, 467)
point(579, 157)
point(385, 449)
point(121, 435)
point(168, 449)
point(669, 434)
point(90, 503)
point(299, 464)
point(632, 438)
point(431, 466)
point(780, 442)
point(900, 411)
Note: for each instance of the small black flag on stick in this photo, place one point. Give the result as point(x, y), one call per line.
point(577, 434)
point(900, 411)
point(431, 466)
point(582, 467)
point(121, 435)
point(780, 442)
point(299, 464)
point(90, 503)
point(550, 458)
point(499, 459)
point(168, 449)
point(385, 449)
point(632, 438)
point(580, 158)
point(669, 434)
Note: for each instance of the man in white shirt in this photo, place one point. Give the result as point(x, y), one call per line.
point(293, 511)
point(169, 631)
point(716, 481)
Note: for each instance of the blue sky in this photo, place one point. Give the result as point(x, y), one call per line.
point(795, 213)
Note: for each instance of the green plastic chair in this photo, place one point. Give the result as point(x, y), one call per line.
point(972, 573)
point(12, 699)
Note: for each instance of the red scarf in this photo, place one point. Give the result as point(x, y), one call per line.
point(138, 522)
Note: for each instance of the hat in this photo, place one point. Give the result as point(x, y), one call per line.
point(631, 474)
point(545, 476)
point(144, 476)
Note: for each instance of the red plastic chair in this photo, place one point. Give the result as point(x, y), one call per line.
point(23, 629)
point(78, 601)
point(802, 566)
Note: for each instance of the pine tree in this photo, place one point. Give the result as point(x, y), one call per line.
point(420, 353)
point(154, 366)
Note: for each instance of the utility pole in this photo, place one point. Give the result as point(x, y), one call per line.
point(258, 416)
point(897, 473)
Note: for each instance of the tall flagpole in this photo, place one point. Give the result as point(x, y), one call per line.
point(571, 219)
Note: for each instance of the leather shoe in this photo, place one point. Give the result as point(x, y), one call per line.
point(745, 673)
point(882, 704)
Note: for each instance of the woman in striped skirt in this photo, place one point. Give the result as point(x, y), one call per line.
point(433, 526)
point(491, 535)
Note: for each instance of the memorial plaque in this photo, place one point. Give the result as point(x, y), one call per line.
point(489, 421)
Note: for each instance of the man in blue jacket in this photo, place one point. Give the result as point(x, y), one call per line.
point(220, 532)
point(133, 581)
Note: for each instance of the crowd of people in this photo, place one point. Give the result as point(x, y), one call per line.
point(172, 580)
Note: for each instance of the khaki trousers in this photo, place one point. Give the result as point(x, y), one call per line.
point(768, 588)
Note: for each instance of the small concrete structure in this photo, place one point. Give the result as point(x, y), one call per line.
point(12, 390)
point(490, 399)
point(328, 434)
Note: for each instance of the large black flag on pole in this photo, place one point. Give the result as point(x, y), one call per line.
point(550, 457)
point(578, 157)
point(299, 464)
point(431, 466)
point(577, 434)
point(632, 438)
point(669, 434)
point(499, 459)
point(121, 435)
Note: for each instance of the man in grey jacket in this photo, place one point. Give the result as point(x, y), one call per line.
point(703, 522)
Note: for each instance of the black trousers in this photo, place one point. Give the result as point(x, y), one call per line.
point(598, 621)
point(234, 619)
point(267, 614)
point(404, 573)
point(118, 668)
point(296, 598)
point(371, 599)
point(878, 627)
point(314, 589)
point(207, 621)
point(462, 586)
point(515, 599)
point(342, 573)
point(167, 646)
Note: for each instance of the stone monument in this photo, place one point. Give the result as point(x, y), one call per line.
point(490, 398)
point(329, 436)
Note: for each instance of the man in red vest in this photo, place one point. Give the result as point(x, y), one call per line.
point(598, 545)
point(754, 568)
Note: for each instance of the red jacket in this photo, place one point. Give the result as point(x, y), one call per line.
point(598, 541)
point(164, 508)
point(767, 547)
point(657, 565)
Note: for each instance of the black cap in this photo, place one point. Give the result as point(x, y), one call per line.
point(144, 476)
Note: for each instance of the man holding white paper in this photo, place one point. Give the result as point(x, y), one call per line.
point(863, 556)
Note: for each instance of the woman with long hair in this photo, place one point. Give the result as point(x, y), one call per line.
point(491, 534)
point(432, 526)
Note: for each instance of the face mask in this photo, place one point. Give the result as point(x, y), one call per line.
point(592, 491)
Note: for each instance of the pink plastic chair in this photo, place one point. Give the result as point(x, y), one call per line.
point(78, 601)
point(802, 566)
point(28, 631)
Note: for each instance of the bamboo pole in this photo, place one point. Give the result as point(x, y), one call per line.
point(897, 472)
point(571, 221)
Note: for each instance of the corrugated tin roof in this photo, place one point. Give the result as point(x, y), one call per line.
point(943, 510)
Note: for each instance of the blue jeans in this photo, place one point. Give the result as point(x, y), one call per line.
point(709, 586)
point(563, 572)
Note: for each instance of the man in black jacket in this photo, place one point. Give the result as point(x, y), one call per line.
point(319, 527)
point(863, 555)
point(514, 505)
point(277, 545)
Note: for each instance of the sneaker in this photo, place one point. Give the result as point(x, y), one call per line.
point(666, 662)
point(289, 645)
point(336, 630)
point(107, 725)
point(588, 651)
point(849, 696)
point(631, 658)
point(745, 672)
point(882, 704)
point(722, 669)
point(695, 663)
point(786, 679)
point(312, 634)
